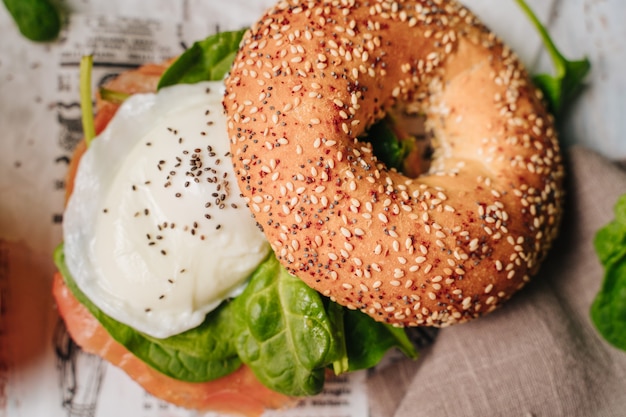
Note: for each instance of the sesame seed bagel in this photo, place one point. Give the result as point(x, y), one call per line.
point(442, 248)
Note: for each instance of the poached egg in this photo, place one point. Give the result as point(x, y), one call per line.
point(156, 232)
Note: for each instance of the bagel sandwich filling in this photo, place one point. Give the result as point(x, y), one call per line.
point(293, 197)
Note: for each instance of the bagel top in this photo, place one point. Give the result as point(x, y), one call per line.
point(445, 247)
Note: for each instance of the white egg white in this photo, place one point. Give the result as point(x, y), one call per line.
point(156, 232)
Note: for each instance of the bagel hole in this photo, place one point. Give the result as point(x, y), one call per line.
point(400, 141)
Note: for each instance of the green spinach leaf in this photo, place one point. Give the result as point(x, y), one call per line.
point(37, 20)
point(341, 364)
point(561, 88)
point(201, 354)
point(388, 145)
point(608, 311)
point(206, 60)
point(367, 340)
point(287, 339)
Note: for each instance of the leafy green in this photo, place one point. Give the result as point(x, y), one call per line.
point(608, 311)
point(368, 341)
point(287, 339)
point(206, 60)
point(561, 88)
point(388, 144)
point(201, 354)
point(37, 20)
point(341, 364)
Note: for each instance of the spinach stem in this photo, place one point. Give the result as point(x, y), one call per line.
point(557, 59)
point(113, 96)
point(86, 107)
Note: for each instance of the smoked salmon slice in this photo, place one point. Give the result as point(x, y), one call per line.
point(239, 393)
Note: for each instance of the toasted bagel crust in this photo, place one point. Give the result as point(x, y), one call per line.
point(439, 249)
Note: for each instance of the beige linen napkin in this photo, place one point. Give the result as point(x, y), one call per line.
point(539, 355)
